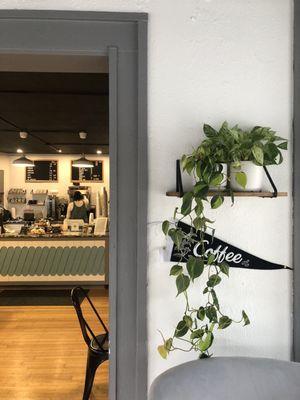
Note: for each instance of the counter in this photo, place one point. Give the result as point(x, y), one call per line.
point(52, 259)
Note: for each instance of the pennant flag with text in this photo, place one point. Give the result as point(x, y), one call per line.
point(234, 256)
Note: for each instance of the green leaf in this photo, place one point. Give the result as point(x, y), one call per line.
point(241, 179)
point(176, 235)
point(165, 227)
point(258, 154)
point(175, 212)
point(187, 203)
point(216, 201)
point(198, 169)
point(224, 322)
point(182, 283)
point(211, 259)
point(176, 270)
point(195, 267)
point(181, 329)
point(183, 161)
point(163, 351)
point(245, 318)
point(197, 334)
point(283, 146)
point(213, 280)
point(235, 134)
point(188, 321)
point(217, 179)
point(224, 267)
point(211, 314)
point(189, 165)
point(271, 153)
point(199, 209)
point(224, 128)
point(205, 290)
point(201, 189)
point(209, 131)
point(198, 223)
point(168, 344)
point(207, 342)
point(201, 313)
point(215, 298)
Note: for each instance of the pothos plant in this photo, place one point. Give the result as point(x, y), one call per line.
point(195, 330)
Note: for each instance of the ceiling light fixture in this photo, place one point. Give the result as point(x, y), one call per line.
point(59, 150)
point(23, 135)
point(99, 151)
point(19, 151)
point(23, 162)
point(82, 135)
point(82, 163)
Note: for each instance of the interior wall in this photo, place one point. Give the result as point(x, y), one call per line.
point(14, 177)
point(211, 60)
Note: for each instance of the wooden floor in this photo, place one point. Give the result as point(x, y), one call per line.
point(42, 353)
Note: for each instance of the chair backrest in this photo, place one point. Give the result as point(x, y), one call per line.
point(87, 333)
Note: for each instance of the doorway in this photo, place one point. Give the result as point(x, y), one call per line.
point(122, 37)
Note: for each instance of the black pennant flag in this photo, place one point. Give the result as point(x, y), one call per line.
point(235, 257)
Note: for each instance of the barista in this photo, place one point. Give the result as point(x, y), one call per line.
point(78, 208)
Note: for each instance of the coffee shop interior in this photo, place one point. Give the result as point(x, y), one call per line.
point(54, 227)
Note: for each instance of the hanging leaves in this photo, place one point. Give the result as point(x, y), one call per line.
point(259, 145)
point(195, 267)
point(182, 283)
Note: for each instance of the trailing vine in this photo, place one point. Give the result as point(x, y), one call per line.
point(195, 331)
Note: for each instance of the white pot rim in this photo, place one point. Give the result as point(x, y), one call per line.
point(245, 162)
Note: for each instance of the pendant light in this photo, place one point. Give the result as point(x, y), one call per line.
point(23, 162)
point(82, 163)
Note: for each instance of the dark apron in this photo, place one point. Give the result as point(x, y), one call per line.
point(79, 212)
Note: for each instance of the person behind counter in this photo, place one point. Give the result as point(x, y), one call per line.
point(78, 208)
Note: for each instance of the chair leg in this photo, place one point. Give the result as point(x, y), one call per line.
point(93, 362)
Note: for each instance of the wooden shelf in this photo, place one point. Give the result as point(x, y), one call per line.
point(236, 194)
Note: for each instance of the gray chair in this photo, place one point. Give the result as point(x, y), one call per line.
point(229, 378)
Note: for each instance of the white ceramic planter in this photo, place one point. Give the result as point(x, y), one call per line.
point(255, 175)
point(224, 183)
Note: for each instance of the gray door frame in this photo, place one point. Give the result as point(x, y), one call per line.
point(123, 38)
point(296, 185)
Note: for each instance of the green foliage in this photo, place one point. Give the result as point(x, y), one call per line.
point(260, 145)
point(195, 331)
point(241, 179)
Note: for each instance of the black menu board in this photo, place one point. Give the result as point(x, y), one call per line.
point(94, 174)
point(43, 171)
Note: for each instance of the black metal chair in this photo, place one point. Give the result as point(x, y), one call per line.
point(98, 346)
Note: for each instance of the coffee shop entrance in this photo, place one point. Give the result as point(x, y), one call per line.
point(54, 177)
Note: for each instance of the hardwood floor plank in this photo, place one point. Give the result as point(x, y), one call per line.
point(43, 355)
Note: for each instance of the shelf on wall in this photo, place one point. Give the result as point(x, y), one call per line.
point(236, 194)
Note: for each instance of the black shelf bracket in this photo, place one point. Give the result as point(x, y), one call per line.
point(275, 191)
point(179, 187)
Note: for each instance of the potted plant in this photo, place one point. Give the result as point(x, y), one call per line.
point(196, 328)
point(247, 151)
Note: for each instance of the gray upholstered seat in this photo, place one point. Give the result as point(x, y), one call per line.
point(229, 378)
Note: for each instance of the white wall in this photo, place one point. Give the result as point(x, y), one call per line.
point(211, 60)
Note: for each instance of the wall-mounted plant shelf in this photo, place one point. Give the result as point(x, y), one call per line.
point(179, 192)
point(236, 194)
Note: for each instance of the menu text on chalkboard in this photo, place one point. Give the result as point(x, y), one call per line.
point(42, 171)
point(94, 174)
